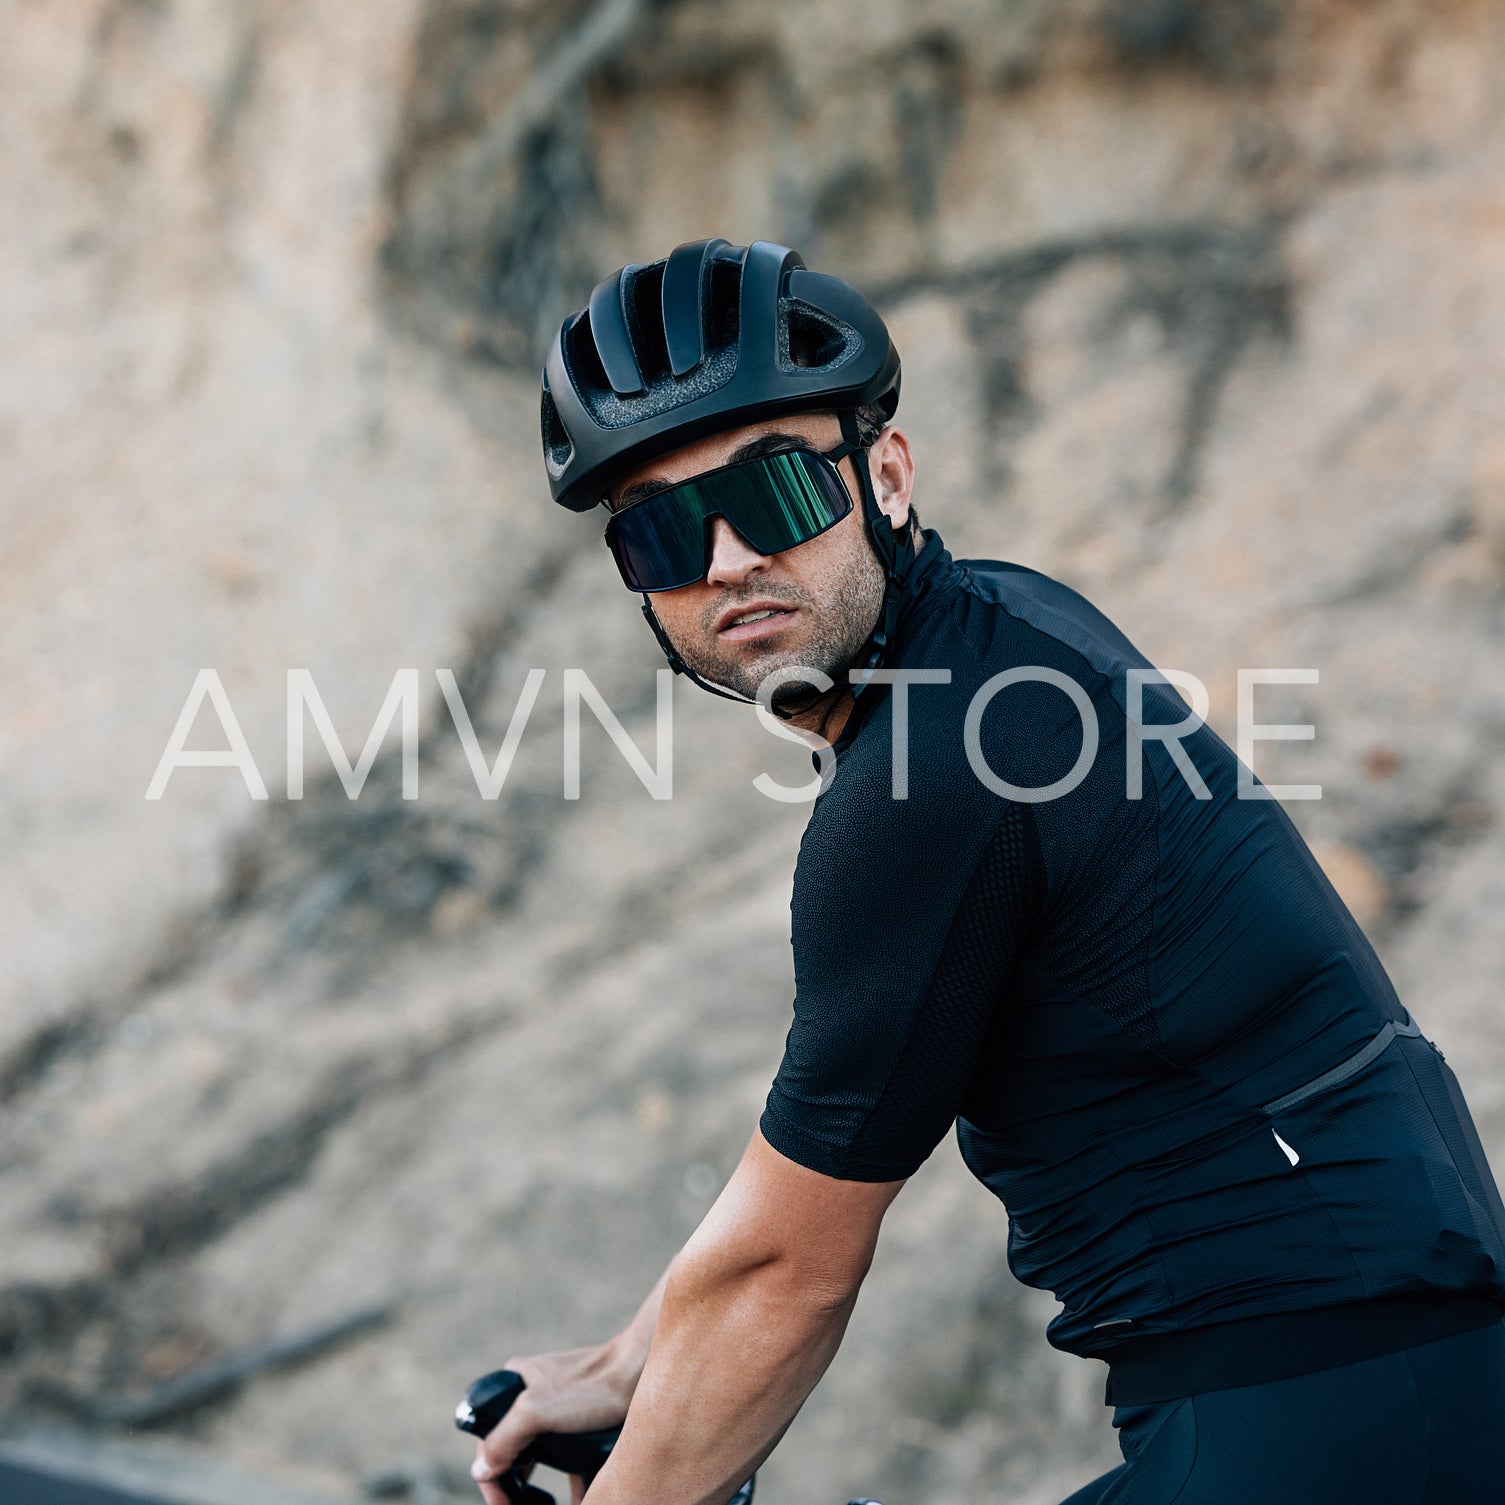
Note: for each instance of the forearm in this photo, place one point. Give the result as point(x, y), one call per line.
point(737, 1349)
point(736, 1335)
point(628, 1351)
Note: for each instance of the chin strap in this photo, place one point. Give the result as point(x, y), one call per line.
point(679, 666)
point(895, 550)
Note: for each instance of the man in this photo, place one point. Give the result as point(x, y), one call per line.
point(1221, 1140)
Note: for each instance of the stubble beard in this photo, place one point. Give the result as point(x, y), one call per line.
point(838, 629)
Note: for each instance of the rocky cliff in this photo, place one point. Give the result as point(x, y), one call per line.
point(1201, 311)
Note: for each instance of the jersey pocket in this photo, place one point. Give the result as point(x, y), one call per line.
point(1346, 1068)
point(1385, 1142)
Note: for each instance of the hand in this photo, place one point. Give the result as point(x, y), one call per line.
point(579, 1390)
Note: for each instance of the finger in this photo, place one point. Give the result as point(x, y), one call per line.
point(492, 1491)
point(482, 1470)
point(496, 1451)
point(485, 1469)
point(577, 1489)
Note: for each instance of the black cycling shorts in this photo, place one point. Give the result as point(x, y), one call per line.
point(1421, 1426)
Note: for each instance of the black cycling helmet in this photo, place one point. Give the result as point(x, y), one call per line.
point(713, 336)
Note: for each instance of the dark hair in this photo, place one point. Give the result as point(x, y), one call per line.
point(871, 421)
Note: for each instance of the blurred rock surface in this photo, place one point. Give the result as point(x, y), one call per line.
point(1201, 311)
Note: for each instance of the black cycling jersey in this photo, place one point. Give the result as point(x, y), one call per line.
point(1166, 1044)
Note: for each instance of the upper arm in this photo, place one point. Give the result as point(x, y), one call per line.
point(876, 1071)
point(908, 918)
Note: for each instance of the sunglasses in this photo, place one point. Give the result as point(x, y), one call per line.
point(774, 503)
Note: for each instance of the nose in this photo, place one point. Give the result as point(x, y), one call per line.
point(733, 559)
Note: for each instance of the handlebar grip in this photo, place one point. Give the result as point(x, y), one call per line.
point(489, 1399)
point(583, 1453)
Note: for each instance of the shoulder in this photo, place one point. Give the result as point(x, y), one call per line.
point(1009, 638)
point(1003, 608)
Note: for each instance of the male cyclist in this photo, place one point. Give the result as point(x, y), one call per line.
point(1038, 899)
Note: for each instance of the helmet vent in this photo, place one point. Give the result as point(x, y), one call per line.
point(556, 443)
point(813, 341)
point(725, 311)
point(648, 323)
point(582, 357)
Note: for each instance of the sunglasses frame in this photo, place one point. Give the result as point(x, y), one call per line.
point(831, 457)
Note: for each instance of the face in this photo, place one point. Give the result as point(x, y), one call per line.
point(811, 606)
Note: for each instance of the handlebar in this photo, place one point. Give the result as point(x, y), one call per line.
point(583, 1453)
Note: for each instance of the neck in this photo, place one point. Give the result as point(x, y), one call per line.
point(824, 718)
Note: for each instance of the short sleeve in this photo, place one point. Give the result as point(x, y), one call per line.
point(895, 998)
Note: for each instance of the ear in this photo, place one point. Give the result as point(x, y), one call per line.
point(892, 467)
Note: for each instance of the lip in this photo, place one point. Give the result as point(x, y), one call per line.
point(783, 615)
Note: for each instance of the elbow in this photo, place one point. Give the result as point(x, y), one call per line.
point(790, 1279)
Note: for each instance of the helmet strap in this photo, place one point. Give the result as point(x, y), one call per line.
point(895, 550)
point(679, 666)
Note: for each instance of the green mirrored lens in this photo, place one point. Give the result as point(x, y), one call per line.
point(775, 503)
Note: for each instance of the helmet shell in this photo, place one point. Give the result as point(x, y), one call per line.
point(713, 336)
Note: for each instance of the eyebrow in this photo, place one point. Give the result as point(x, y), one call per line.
point(755, 449)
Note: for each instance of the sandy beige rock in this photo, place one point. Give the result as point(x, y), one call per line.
point(1201, 314)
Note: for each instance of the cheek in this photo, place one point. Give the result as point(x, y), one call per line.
point(840, 559)
point(678, 611)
